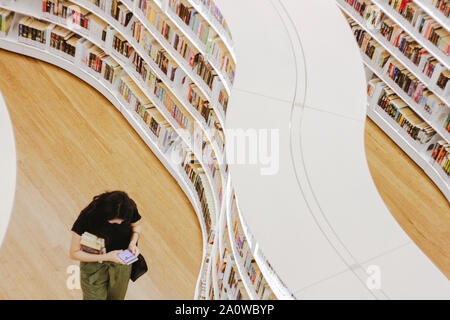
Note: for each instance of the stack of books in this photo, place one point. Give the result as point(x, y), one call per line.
point(92, 244)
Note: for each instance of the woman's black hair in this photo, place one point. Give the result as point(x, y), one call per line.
point(110, 205)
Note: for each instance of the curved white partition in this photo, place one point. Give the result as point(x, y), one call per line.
point(8, 168)
point(319, 220)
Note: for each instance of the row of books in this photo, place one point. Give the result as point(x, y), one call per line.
point(230, 285)
point(206, 291)
point(193, 19)
point(442, 5)
point(96, 60)
point(122, 46)
point(405, 117)
point(157, 124)
point(216, 14)
point(216, 49)
point(120, 12)
point(6, 17)
point(35, 32)
point(197, 176)
point(441, 156)
point(260, 285)
point(403, 79)
point(63, 40)
point(400, 40)
point(67, 11)
point(423, 23)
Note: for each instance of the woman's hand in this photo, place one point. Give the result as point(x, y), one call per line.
point(133, 248)
point(112, 256)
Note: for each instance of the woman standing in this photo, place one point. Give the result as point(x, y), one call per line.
point(113, 217)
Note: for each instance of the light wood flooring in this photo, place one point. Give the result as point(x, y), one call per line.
point(71, 145)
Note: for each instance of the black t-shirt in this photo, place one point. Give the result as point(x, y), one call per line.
point(117, 236)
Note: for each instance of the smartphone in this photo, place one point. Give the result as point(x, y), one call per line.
point(127, 257)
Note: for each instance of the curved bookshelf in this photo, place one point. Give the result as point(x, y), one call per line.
point(395, 52)
point(415, 150)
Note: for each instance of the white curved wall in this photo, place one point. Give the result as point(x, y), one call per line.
point(320, 220)
point(7, 168)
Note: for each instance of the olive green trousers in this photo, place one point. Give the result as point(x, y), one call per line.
point(104, 281)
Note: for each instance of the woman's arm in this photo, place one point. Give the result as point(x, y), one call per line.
point(136, 227)
point(77, 254)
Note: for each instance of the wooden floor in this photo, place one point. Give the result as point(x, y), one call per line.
point(73, 144)
point(413, 199)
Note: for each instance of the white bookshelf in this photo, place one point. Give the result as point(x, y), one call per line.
point(429, 83)
point(398, 19)
point(412, 148)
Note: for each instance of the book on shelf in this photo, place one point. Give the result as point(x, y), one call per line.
point(33, 31)
point(6, 17)
point(405, 117)
point(66, 10)
point(122, 46)
point(173, 106)
point(192, 18)
point(120, 12)
point(441, 156)
point(63, 40)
